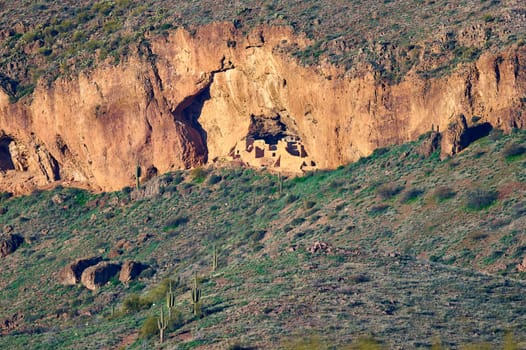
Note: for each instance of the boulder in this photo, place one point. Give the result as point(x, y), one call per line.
point(455, 138)
point(9, 243)
point(130, 270)
point(429, 145)
point(72, 273)
point(522, 267)
point(98, 275)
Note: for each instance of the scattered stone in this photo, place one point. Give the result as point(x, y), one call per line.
point(11, 323)
point(131, 270)
point(58, 199)
point(114, 252)
point(143, 237)
point(72, 273)
point(9, 243)
point(8, 228)
point(320, 247)
point(522, 267)
point(98, 275)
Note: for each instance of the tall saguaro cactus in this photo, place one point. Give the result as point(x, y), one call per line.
point(196, 298)
point(214, 258)
point(162, 323)
point(170, 301)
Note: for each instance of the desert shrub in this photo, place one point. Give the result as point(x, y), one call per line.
point(411, 195)
point(443, 193)
point(359, 278)
point(176, 222)
point(291, 198)
point(149, 328)
point(477, 236)
point(513, 151)
point(255, 235)
point(134, 303)
point(214, 179)
point(387, 191)
point(308, 205)
point(378, 209)
point(479, 199)
point(198, 175)
point(297, 221)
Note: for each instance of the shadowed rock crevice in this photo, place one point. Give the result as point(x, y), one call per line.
point(188, 112)
point(6, 161)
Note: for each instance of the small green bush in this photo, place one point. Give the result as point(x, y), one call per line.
point(198, 175)
point(214, 179)
point(149, 328)
point(443, 193)
point(291, 198)
point(378, 209)
point(176, 222)
point(513, 151)
point(134, 303)
point(479, 199)
point(411, 195)
point(387, 191)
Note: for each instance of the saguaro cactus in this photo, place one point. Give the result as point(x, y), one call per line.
point(214, 258)
point(162, 323)
point(196, 298)
point(170, 301)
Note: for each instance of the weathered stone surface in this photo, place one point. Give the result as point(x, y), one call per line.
point(130, 270)
point(9, 243)
point(72, 273)
point(454, 138)
point(194, 104)
point(429, 145)
point(522, 266)
point(98, 275)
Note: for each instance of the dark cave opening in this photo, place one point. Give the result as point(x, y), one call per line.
point(6, 161)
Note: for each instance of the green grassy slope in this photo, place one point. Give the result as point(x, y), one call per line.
point(419, 250)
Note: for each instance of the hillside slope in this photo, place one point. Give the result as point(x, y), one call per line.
point(406, 249)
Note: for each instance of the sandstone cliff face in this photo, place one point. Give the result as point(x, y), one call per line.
point(195, 102)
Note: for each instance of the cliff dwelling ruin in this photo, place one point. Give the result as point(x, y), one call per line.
point(270, 144)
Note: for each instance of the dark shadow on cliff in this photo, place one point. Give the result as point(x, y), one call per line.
point(476, 132)
point(188, 112)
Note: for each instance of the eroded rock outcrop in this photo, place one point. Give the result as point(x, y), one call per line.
point(72, 273)
point(9, 243)
point(190, 98)
point(130, 270)
point(98, 275)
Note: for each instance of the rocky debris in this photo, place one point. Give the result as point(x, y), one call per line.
point(429, 145)
point(11, 323)
point(455, 138)
point(522, 266)
point(143, 237)
point(72, 273)
point(119, 248)
point(321, 247)
point(98, 275)
point(59, 198)
point(9, 243)
point(131, 270)
point(8, 228)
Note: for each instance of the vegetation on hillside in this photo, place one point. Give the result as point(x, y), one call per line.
point(49, 38)
point(390, 248)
